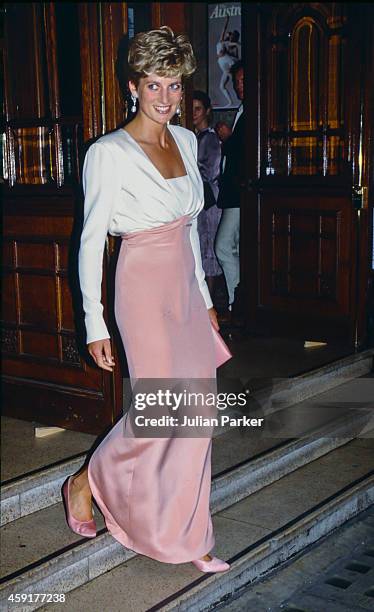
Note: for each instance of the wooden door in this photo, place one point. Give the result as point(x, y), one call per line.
point(56, 58)
point(304, 220)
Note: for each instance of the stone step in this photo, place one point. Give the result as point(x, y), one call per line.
point(51, 554)
point(243, 461)
point(308, 580)
point(255, 535)
point(230, 483)
point(256, 560)
point(41, 489)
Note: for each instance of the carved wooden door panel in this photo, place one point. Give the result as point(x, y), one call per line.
point(304, 207)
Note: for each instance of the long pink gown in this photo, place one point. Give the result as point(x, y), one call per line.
point(154, 492)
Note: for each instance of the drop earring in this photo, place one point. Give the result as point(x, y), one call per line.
point(133, 98)
point(178, 112)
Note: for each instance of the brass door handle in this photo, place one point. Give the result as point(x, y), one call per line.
point(357, 196)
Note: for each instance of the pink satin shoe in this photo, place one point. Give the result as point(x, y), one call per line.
point(83, 528)
point(214, 565)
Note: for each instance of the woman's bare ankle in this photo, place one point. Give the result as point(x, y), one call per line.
point(80, 481)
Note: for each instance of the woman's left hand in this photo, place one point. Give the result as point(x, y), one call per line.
point(213, 318)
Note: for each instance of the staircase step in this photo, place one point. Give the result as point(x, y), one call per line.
point(63, 560)
point(241, 465)
point(41, 489)
point(275, 523)
point(34, 454)
point(253, 562)
point(303, 581)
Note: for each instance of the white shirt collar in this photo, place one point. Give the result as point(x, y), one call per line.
point(238, 113)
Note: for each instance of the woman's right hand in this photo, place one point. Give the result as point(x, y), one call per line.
point(101, 352)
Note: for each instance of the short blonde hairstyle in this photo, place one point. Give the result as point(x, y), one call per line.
point(160, 52)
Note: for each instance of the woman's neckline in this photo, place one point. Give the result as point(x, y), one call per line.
point(149, 159)
point(175, 178)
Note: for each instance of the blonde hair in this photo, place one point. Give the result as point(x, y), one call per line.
point(160, 52)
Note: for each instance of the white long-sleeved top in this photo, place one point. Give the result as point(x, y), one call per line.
point(124, 193)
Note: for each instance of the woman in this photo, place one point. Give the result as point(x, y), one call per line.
point(208, 160)
point(142, 182)
point(225, 60)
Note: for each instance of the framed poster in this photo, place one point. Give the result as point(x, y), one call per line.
point(224, 49)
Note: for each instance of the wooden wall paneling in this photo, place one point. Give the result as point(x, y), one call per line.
point(351, 80)
point(91, 70)
point(177, 15)
point(364, 276)
point(114, 28)
point(39, 58)
point(309, 240)
point(102, 26)
point(51, 403)
point(364, 226)
point(356, 71)
point(255, 112)
point(26, 97)
point(156, 15)
point(9, 302)
point(198, 18)
point(42, 355)
point(368, 146)
point(51, 50)
point(54, 93)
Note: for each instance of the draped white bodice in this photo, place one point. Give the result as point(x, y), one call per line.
point(124, 193)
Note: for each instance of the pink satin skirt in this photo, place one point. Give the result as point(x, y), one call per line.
point(154, 492)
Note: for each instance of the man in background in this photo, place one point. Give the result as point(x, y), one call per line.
point(227, 240)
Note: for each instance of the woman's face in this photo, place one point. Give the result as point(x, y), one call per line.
point(159, 96)
point(199, 114)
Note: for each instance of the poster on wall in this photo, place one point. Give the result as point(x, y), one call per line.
point(224, 40)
